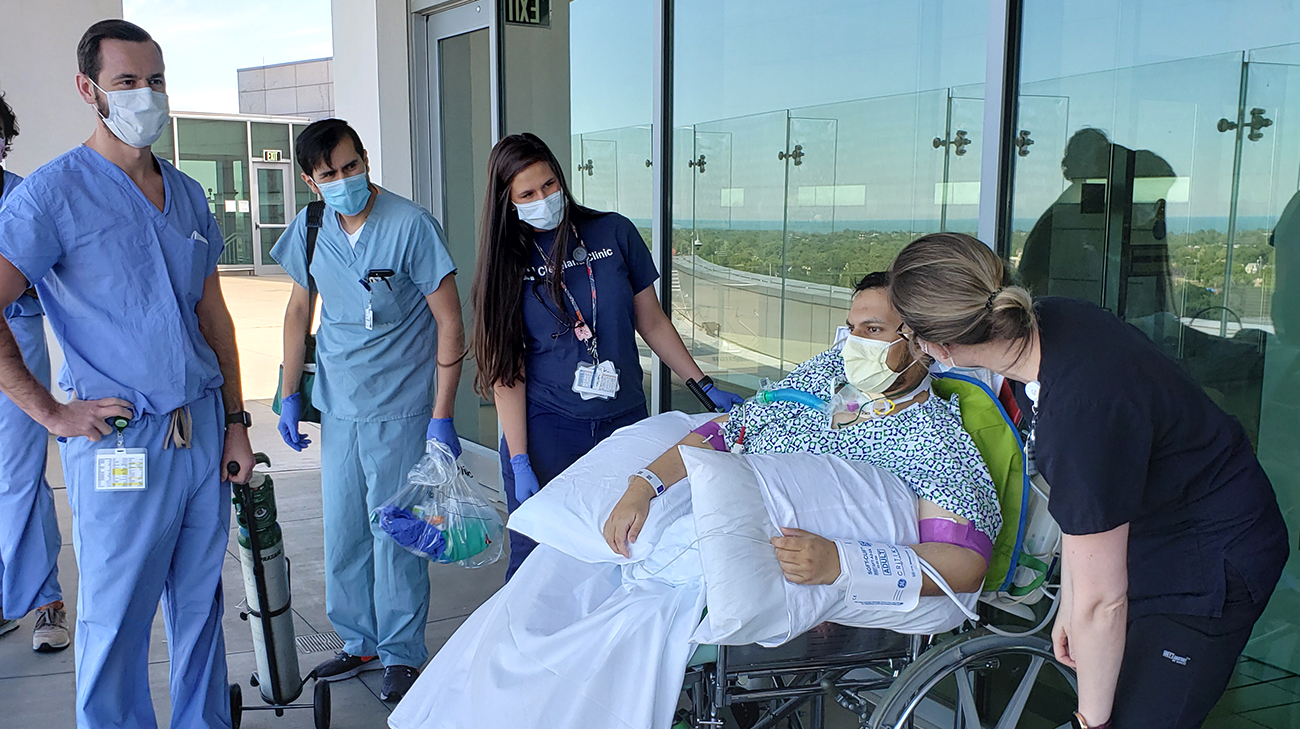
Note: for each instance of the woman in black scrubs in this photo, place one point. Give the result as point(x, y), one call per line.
point(1173, 538)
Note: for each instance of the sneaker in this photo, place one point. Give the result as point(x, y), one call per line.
point(344, 665)
point(397, 681)
point(8, 626)
point(51, 632)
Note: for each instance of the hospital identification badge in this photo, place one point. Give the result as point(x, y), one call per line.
point(121, 469)
point(596, 381)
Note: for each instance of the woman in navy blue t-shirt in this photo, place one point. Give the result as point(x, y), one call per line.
point(560, 293)
point(1173, 540)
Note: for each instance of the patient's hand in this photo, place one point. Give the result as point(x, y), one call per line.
point(807, 559)
point(629, 515)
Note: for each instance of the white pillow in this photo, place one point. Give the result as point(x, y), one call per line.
point(739, 504)
point(569, 513)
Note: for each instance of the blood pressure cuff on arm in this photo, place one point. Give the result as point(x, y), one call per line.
point(878, 576)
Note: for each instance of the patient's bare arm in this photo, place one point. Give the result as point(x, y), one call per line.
point(629, 514)
point(808, 559)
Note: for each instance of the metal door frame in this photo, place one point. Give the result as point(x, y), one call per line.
point(426, 31)
point(260, 266)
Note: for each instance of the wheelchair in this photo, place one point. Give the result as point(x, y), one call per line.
point(968, 679)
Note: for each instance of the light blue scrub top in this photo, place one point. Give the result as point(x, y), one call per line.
point(25, 305)
point(384, 373)
point(118, 279)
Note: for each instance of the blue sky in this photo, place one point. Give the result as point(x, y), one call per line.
point(205, 42)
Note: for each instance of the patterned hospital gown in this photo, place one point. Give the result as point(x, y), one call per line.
point(924, 445)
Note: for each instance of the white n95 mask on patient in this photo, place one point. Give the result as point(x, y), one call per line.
point(136, 116)
point(544, 214)
point(866, 365)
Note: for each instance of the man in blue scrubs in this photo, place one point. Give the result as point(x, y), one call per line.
point(123, 250)
point(385, 279)
point(29, 528)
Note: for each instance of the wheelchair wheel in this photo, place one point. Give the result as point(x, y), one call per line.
point(941, 686)
point(236, 705)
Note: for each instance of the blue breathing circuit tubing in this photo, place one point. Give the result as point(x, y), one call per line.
point(789, 394)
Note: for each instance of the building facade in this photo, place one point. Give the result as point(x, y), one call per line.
point(301, 88)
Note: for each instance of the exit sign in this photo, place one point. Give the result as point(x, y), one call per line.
point(528, 12)
point(271, 155)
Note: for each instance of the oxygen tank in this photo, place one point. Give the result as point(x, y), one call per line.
point(267, 593)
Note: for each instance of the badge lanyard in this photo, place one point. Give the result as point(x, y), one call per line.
point(600, 379)
point(585, 334)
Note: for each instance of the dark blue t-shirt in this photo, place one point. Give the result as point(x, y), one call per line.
point(622, 267)
point(1125, 436)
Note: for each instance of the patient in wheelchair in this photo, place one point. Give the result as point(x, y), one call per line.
point(597, 627)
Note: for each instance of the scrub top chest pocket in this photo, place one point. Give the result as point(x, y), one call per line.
point(381, 296)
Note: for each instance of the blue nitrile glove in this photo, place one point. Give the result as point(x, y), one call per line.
point(290, 414)
point(412, 532)
point(443, 430)
point(722, 398)
point(525, 480)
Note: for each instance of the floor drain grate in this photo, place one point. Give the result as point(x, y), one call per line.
point(320, 642)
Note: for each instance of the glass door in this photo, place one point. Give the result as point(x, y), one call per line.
point(271, 213)
point(462, 114)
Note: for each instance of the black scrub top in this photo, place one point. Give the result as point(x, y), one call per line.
point(1125, 436)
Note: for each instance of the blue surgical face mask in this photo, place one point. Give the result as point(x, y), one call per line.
point(544, 214)
point(348, 195)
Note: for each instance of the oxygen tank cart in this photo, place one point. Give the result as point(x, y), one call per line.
point(267, 601)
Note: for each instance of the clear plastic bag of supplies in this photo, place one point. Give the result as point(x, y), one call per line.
point(440, 516)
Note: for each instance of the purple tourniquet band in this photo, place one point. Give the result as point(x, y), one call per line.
point(962, 535)
point(711, 432)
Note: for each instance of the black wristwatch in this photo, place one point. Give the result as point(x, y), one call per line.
point(239, 418)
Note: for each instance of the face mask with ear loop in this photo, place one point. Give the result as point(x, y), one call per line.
point(866, 367)
point(940, 365)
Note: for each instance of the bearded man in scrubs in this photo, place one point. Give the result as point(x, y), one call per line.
point(29, 528)
point(123, 249)
point(385, 279)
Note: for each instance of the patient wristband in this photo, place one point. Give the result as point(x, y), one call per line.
point(655, 482)
point(963, 535)
point(879, 576)
point(711, 432)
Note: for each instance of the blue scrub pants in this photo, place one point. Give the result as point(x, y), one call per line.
point(29, 529)
point(555, 442)
point(134, 547)
point(376, 592)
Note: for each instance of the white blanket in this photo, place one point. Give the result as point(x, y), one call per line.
point(582, 638)
point(566, 644)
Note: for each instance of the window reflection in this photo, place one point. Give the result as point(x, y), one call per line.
point(800, 168)
point(1167, 192)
